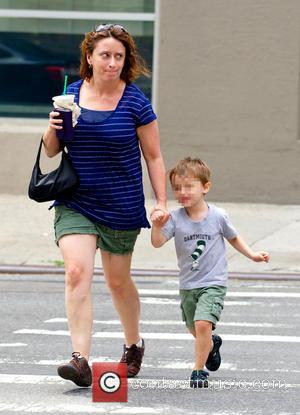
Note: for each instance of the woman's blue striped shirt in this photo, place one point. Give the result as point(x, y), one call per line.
point(107, 157)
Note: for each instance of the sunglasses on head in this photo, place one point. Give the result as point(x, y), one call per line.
point(104, 27)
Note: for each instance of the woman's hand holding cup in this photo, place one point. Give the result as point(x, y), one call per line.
point(54, 121)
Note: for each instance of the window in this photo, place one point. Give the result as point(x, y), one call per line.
point(4, 54)
point(39, 44)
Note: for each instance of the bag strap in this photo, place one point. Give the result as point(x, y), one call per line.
point(39, 152)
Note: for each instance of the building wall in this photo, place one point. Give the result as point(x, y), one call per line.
point(56, 27)
point(228, 92)
point(19, 141)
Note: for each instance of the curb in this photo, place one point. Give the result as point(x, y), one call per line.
point(54, 270)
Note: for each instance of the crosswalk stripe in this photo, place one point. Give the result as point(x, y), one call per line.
point(13, 344)
point(175, 323)
point(233, 294)
point(174, 364)
point(172, 301)
point(76, 408)
point(183, 336)
point(169, 336)
point(159, 363)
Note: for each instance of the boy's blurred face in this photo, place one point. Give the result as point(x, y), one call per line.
point(188, 190)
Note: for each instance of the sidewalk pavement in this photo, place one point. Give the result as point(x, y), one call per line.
point(26, 237)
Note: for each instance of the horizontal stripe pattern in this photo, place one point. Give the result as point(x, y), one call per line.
point(169, 336)
point(107, 157)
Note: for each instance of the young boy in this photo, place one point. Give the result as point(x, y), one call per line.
point(199, 230)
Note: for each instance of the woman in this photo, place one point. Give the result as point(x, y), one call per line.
point(107, 211)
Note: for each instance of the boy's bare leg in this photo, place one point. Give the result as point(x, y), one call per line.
point(203, 342)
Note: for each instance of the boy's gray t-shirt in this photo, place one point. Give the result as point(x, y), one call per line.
point(200, 247)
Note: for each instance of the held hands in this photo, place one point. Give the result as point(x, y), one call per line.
point(260, 256)
point(159, 216)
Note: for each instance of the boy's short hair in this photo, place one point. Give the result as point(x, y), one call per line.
point(193, 167)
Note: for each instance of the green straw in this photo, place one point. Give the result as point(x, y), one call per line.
point(65, 85)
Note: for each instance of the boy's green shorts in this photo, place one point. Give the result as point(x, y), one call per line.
point(202, 304)
point(68, 221)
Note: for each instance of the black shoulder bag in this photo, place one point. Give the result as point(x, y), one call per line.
point(59, 183)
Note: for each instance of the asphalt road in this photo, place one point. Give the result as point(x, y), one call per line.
point(260, 371)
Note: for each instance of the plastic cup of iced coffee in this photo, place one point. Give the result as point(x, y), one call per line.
point(62, 102)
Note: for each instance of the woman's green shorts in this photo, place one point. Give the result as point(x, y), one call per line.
point(68, 221)
point(202, 304)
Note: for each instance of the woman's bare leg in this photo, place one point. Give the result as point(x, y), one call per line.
point(78, 252)
point(124, 293)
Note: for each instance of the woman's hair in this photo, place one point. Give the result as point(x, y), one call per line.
point(191, 167)
point(134, 64)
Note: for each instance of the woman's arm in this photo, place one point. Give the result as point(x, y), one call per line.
point(157, 237)
point(149, 140)
point(51, 142)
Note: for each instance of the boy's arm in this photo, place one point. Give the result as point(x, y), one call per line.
point(158, 218)
point(244, 249)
